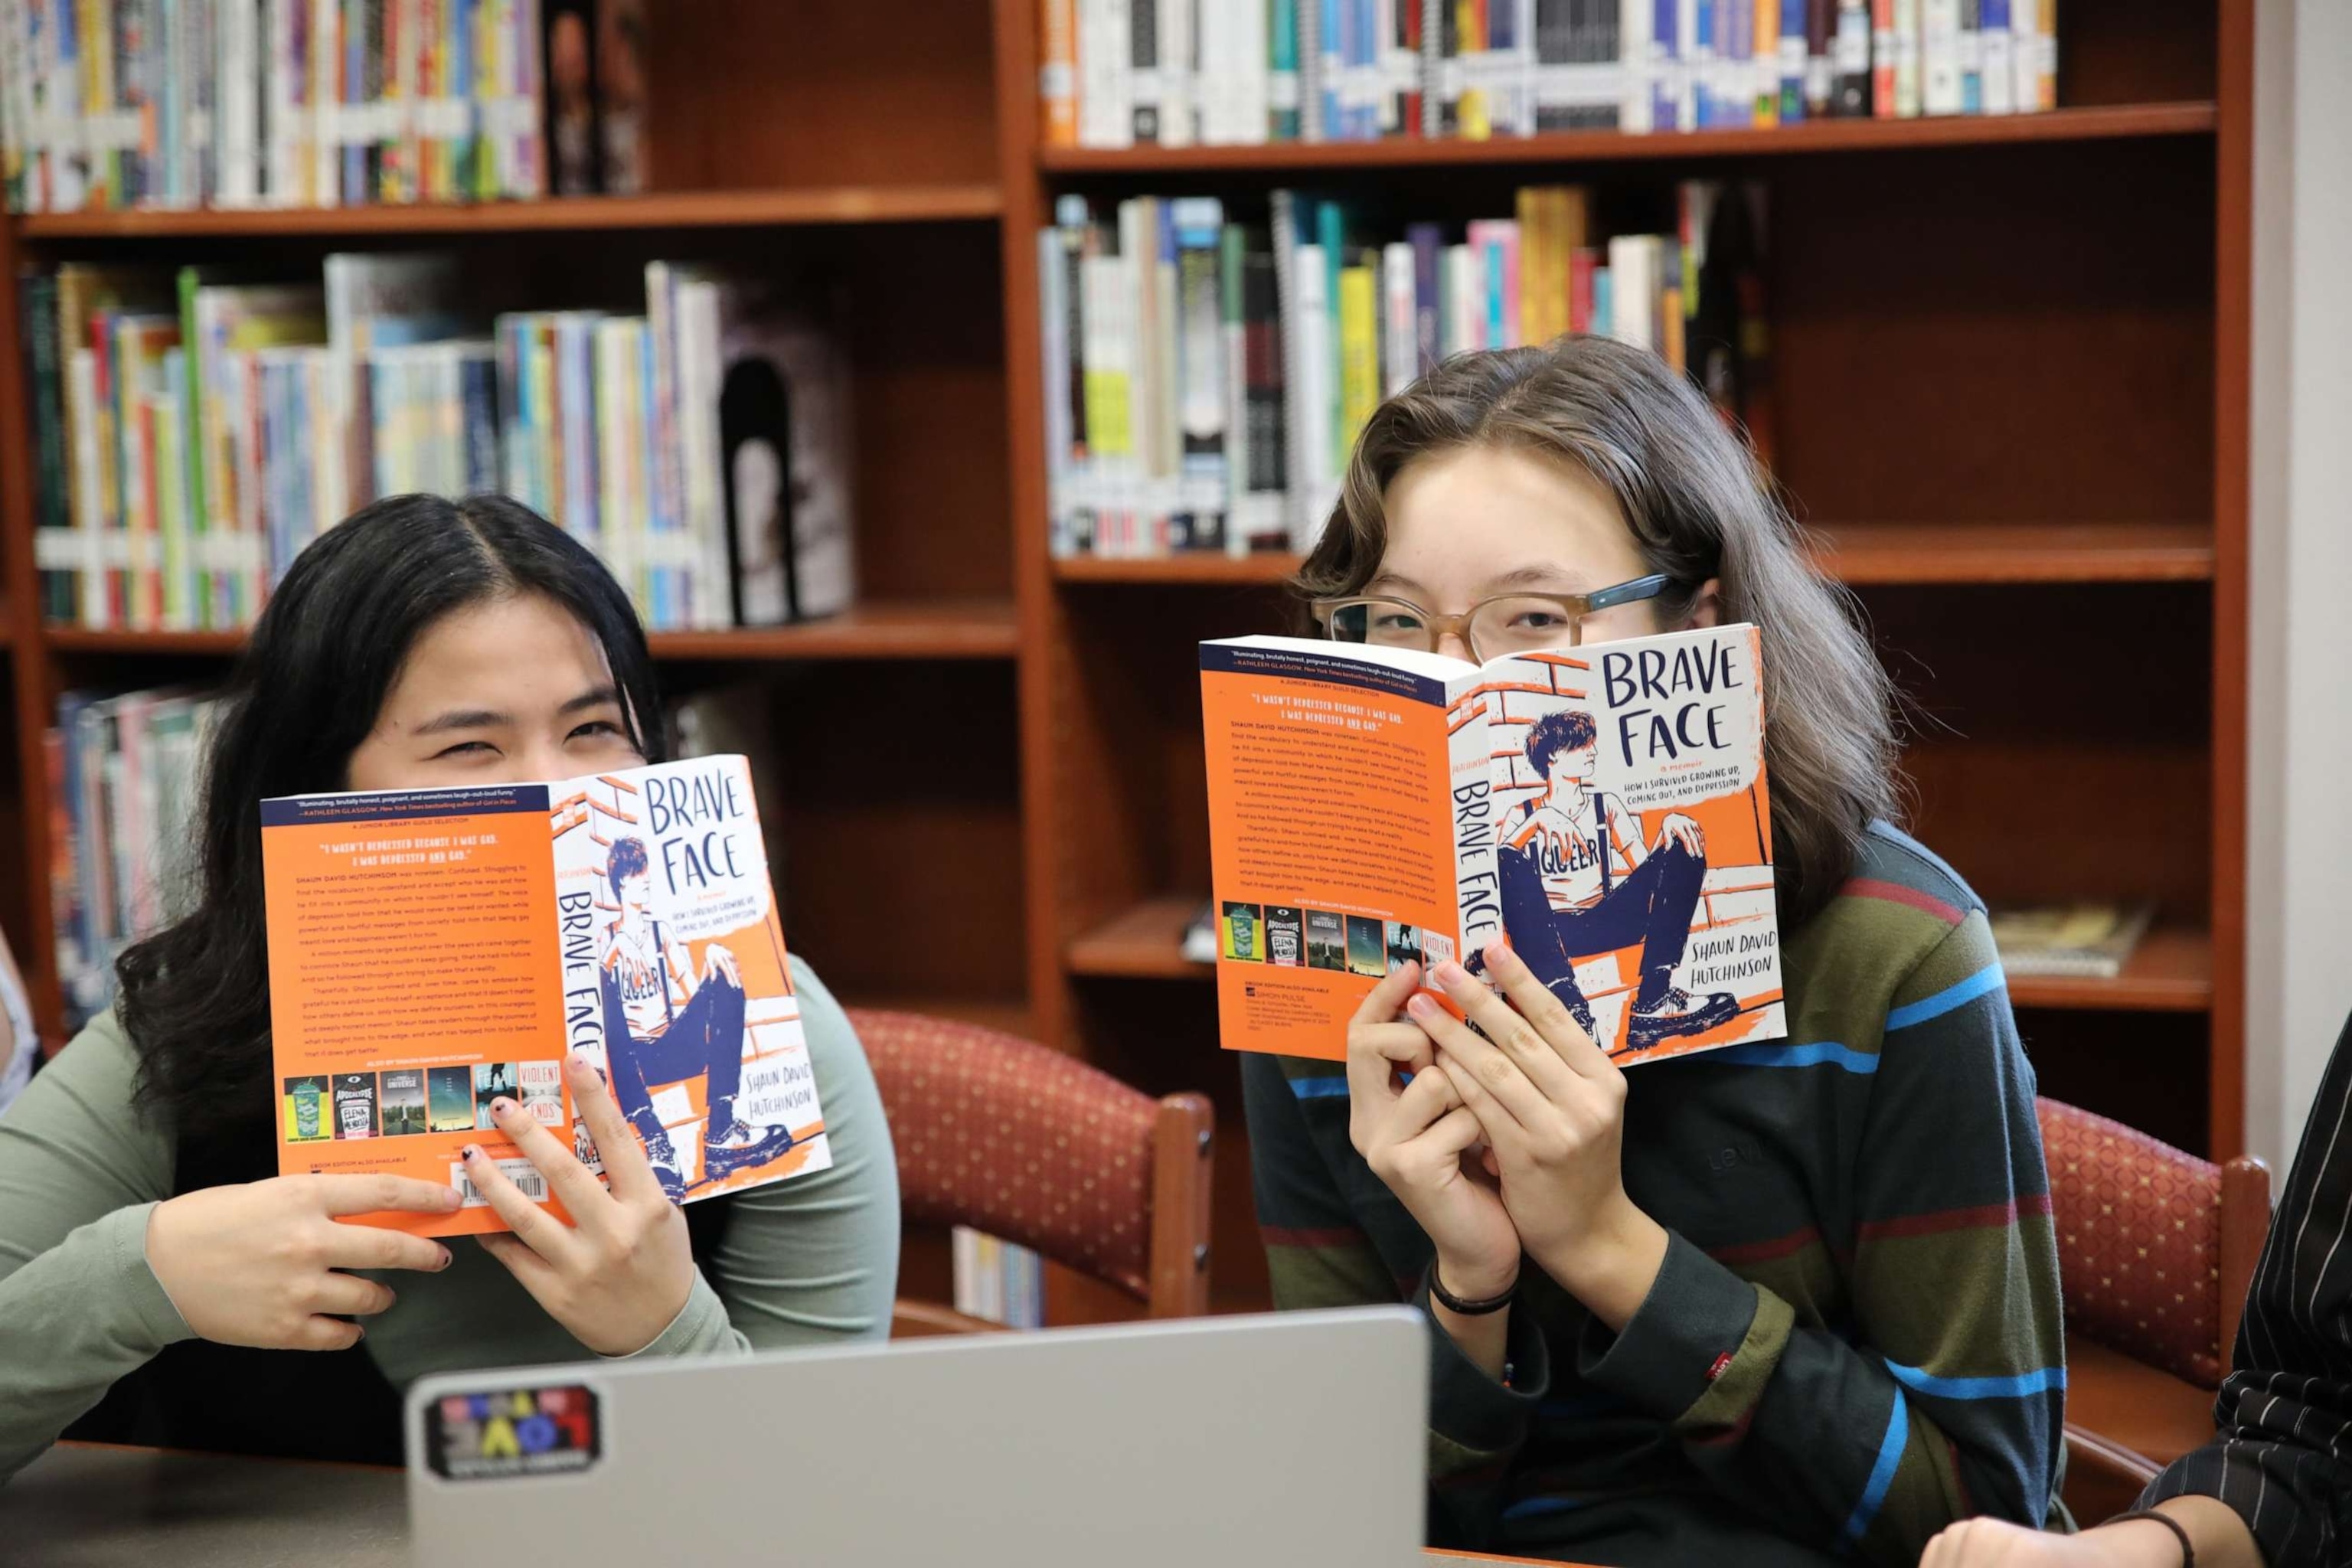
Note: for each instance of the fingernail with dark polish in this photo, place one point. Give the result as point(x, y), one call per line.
point(501, 1107)
point(470, 1151)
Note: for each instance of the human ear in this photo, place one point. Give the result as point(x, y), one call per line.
point(1706, 606)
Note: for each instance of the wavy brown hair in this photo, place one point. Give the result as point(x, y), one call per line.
point(1699, 507)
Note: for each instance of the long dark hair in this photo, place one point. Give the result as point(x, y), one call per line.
point(1699, 506)
point(194, 997)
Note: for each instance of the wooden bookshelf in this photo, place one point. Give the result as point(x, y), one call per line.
point(2171, 971)
point(1858, 554)
point(818, 205)
point(2018, 349)
point(1570, 149)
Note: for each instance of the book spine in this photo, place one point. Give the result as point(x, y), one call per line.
point(2045, 58)
point(2000, 65)
point(1282, 97)
point(1582, 266)
point(1866, 55)
point(1939, 57)
point(1057, 73)
point(1793, 53)
point(58, 551)
point(1198, 365)
point(1176, 19)
point(1400, 334)
point(1470, 768)
point(1971, 56)
point(1907, 62)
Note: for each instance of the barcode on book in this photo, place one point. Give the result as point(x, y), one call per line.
point(522, 1172)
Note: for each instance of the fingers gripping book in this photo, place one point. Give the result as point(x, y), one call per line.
point(1606, 805)
point(431, 951)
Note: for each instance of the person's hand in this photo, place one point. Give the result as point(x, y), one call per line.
point(1419, 1140)
point(1682, 830)
point(620, 1272)
point(257, 1263)
point(1552, 1106)
point(1990, 1543)
point(716, 961)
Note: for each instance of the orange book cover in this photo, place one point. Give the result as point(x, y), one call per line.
point(1605, 805)
point(431, 950)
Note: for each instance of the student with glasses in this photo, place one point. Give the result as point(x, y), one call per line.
point(1784, 1303)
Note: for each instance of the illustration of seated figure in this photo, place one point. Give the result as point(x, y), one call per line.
point(662, 1024)
point(1577, 880)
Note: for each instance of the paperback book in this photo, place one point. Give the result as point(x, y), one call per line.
point(1606, 806)
point(431, 951)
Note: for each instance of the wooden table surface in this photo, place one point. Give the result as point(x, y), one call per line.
point(96, 1506)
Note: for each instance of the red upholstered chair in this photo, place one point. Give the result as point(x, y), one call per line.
point(2156, 1249)
point(1037, 1148)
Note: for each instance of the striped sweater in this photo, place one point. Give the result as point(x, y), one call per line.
point(1855, 1338)
point(2282, 1455)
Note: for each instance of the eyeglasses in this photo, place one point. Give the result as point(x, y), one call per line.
point(1493, 629)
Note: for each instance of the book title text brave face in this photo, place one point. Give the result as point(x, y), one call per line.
point(1606, 805)
point(433, 950)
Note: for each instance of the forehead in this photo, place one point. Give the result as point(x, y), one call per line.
point(1482, 520)
point(514, 656)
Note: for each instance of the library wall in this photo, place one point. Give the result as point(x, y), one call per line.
point(2299, 911)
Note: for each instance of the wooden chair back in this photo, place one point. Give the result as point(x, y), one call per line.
point(1037, 1148)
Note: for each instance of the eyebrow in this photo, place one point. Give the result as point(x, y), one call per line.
point(486, 718)
point(1560, 579)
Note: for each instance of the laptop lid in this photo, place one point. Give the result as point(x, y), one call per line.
point(1298, 1438)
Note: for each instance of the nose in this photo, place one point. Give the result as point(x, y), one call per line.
point(1454, 644)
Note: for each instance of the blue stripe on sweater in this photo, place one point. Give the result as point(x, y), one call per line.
point(1327, 1087)
point(2041, 1380)
point(1882, 1474)
point(1796, 1057)
point(1989, 978)
point(1537, 1507)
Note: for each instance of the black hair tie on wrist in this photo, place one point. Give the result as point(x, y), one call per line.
point(1462, 1309)
point(2188, 1552)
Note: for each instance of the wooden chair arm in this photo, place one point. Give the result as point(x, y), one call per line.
point(2104, 1479)
point(923, 1320)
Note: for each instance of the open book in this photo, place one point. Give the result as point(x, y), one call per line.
point(1605, 805)
point(431, 951)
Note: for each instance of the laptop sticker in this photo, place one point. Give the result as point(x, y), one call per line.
point(507, 1433)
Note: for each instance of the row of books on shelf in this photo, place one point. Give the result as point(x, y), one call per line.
point(997, 1281)
point(192, 433)
point(239, 103)
point(1206, 378)
point(1117, 73)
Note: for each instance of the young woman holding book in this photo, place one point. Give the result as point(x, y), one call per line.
point(1773, 1304)
point(145, 1243)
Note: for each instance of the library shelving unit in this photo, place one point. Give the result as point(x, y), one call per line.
point(2011, 369)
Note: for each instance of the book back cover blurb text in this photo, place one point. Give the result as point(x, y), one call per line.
point(368, 896)
point(1328, 787)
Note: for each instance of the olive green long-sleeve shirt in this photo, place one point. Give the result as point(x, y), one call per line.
point(806, 1261)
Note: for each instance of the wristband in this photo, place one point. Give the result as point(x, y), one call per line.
point(2188, 1552)
point(1462, 1309)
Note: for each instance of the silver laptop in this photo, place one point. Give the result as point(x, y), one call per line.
point(1298, 1438)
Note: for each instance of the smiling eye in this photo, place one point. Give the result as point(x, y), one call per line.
point(466, 748)
point(596, 726)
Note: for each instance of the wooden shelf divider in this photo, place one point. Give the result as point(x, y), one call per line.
point(1860, 553)
point(775, 208)
point(2192, 118)
point(1145, 943)
point(944, 629)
